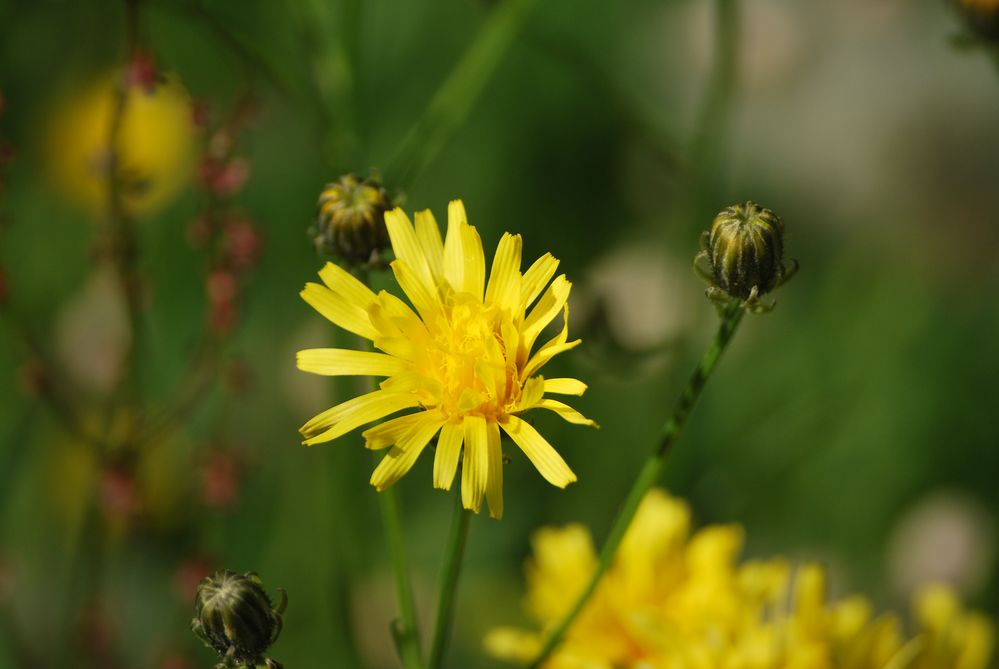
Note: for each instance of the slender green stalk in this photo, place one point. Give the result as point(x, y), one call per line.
point(707, 171)
point(331, 31)
point(405, 630)
point(651, 470)
point(449, 582)
point(717, 104)
point(454, 99)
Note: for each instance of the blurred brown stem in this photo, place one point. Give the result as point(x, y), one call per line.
point(49, 393)
point(123, 246)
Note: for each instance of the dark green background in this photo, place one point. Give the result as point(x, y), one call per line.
point(870, 392)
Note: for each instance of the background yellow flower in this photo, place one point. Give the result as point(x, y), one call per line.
point(156, 145)
point(680, 600)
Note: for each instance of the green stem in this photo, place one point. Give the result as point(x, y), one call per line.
point(454, 99)
point(405, 630)
point(651, 470)
point(711, 130)
point(449, 582)
point(331, 32)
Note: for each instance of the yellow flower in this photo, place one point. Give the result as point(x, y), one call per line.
point(155, 145)
point(676, 600)
point(465, 358)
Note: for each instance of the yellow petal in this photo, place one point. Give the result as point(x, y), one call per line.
point(448, 450)
point(565, 386)
point(515, 645)
point(547, 308)
point(342, 282)
point(475, 467)
point(407, 247)
point(338, 311)
point(389, 432)
point(426, 300)
point(494, 483)
point(403, 455)
point(429, 236)
point(504, 278)
point(551, 348)
point(533, 390)
point(354, 413)
point(345, 362)
point(454, 253)
point(537, 449)
point(475, 262)
point(399, 347)
point(403, 318)
point(536, 278)
point(566, 412)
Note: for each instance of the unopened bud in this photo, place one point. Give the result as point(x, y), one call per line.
point(235, 617)
point(744, 254)
point(351, 220)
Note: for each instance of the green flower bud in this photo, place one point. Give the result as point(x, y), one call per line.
point(351, 220)
point(744, 254)
point(235, 617)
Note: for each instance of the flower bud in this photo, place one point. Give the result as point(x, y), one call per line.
point(351, 220)
point(744, 251)
point(235, 617)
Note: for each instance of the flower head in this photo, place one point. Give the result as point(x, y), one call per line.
point(465, 358)
point(676, 599)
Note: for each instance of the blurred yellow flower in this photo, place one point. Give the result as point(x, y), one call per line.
point(155, 145)
point(678, 600)
point(463, 358)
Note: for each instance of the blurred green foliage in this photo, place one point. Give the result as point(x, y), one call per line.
point(868, 394)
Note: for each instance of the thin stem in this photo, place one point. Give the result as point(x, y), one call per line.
point(124, 247)
point(332, 37)
point(53, 395)
point(254, 63)
point(651, 470)
point(405, 630)
point(449, 582)
point(454, 99)
point(721, 86)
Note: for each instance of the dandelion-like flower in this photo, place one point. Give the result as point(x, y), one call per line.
point(677, 599)
point(465, 357)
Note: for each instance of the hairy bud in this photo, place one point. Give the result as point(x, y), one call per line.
point(351, 220)
point(235, 617)
point(744, 255)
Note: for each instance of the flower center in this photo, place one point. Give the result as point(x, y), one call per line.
point(468, 362)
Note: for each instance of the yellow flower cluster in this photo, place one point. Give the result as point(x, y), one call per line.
point(680, 600)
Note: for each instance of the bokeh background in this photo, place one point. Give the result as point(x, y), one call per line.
point(855, 425)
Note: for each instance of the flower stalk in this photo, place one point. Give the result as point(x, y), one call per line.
point(449, 582)
point(405, 629)
point(453, 101)
point(651, 471)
